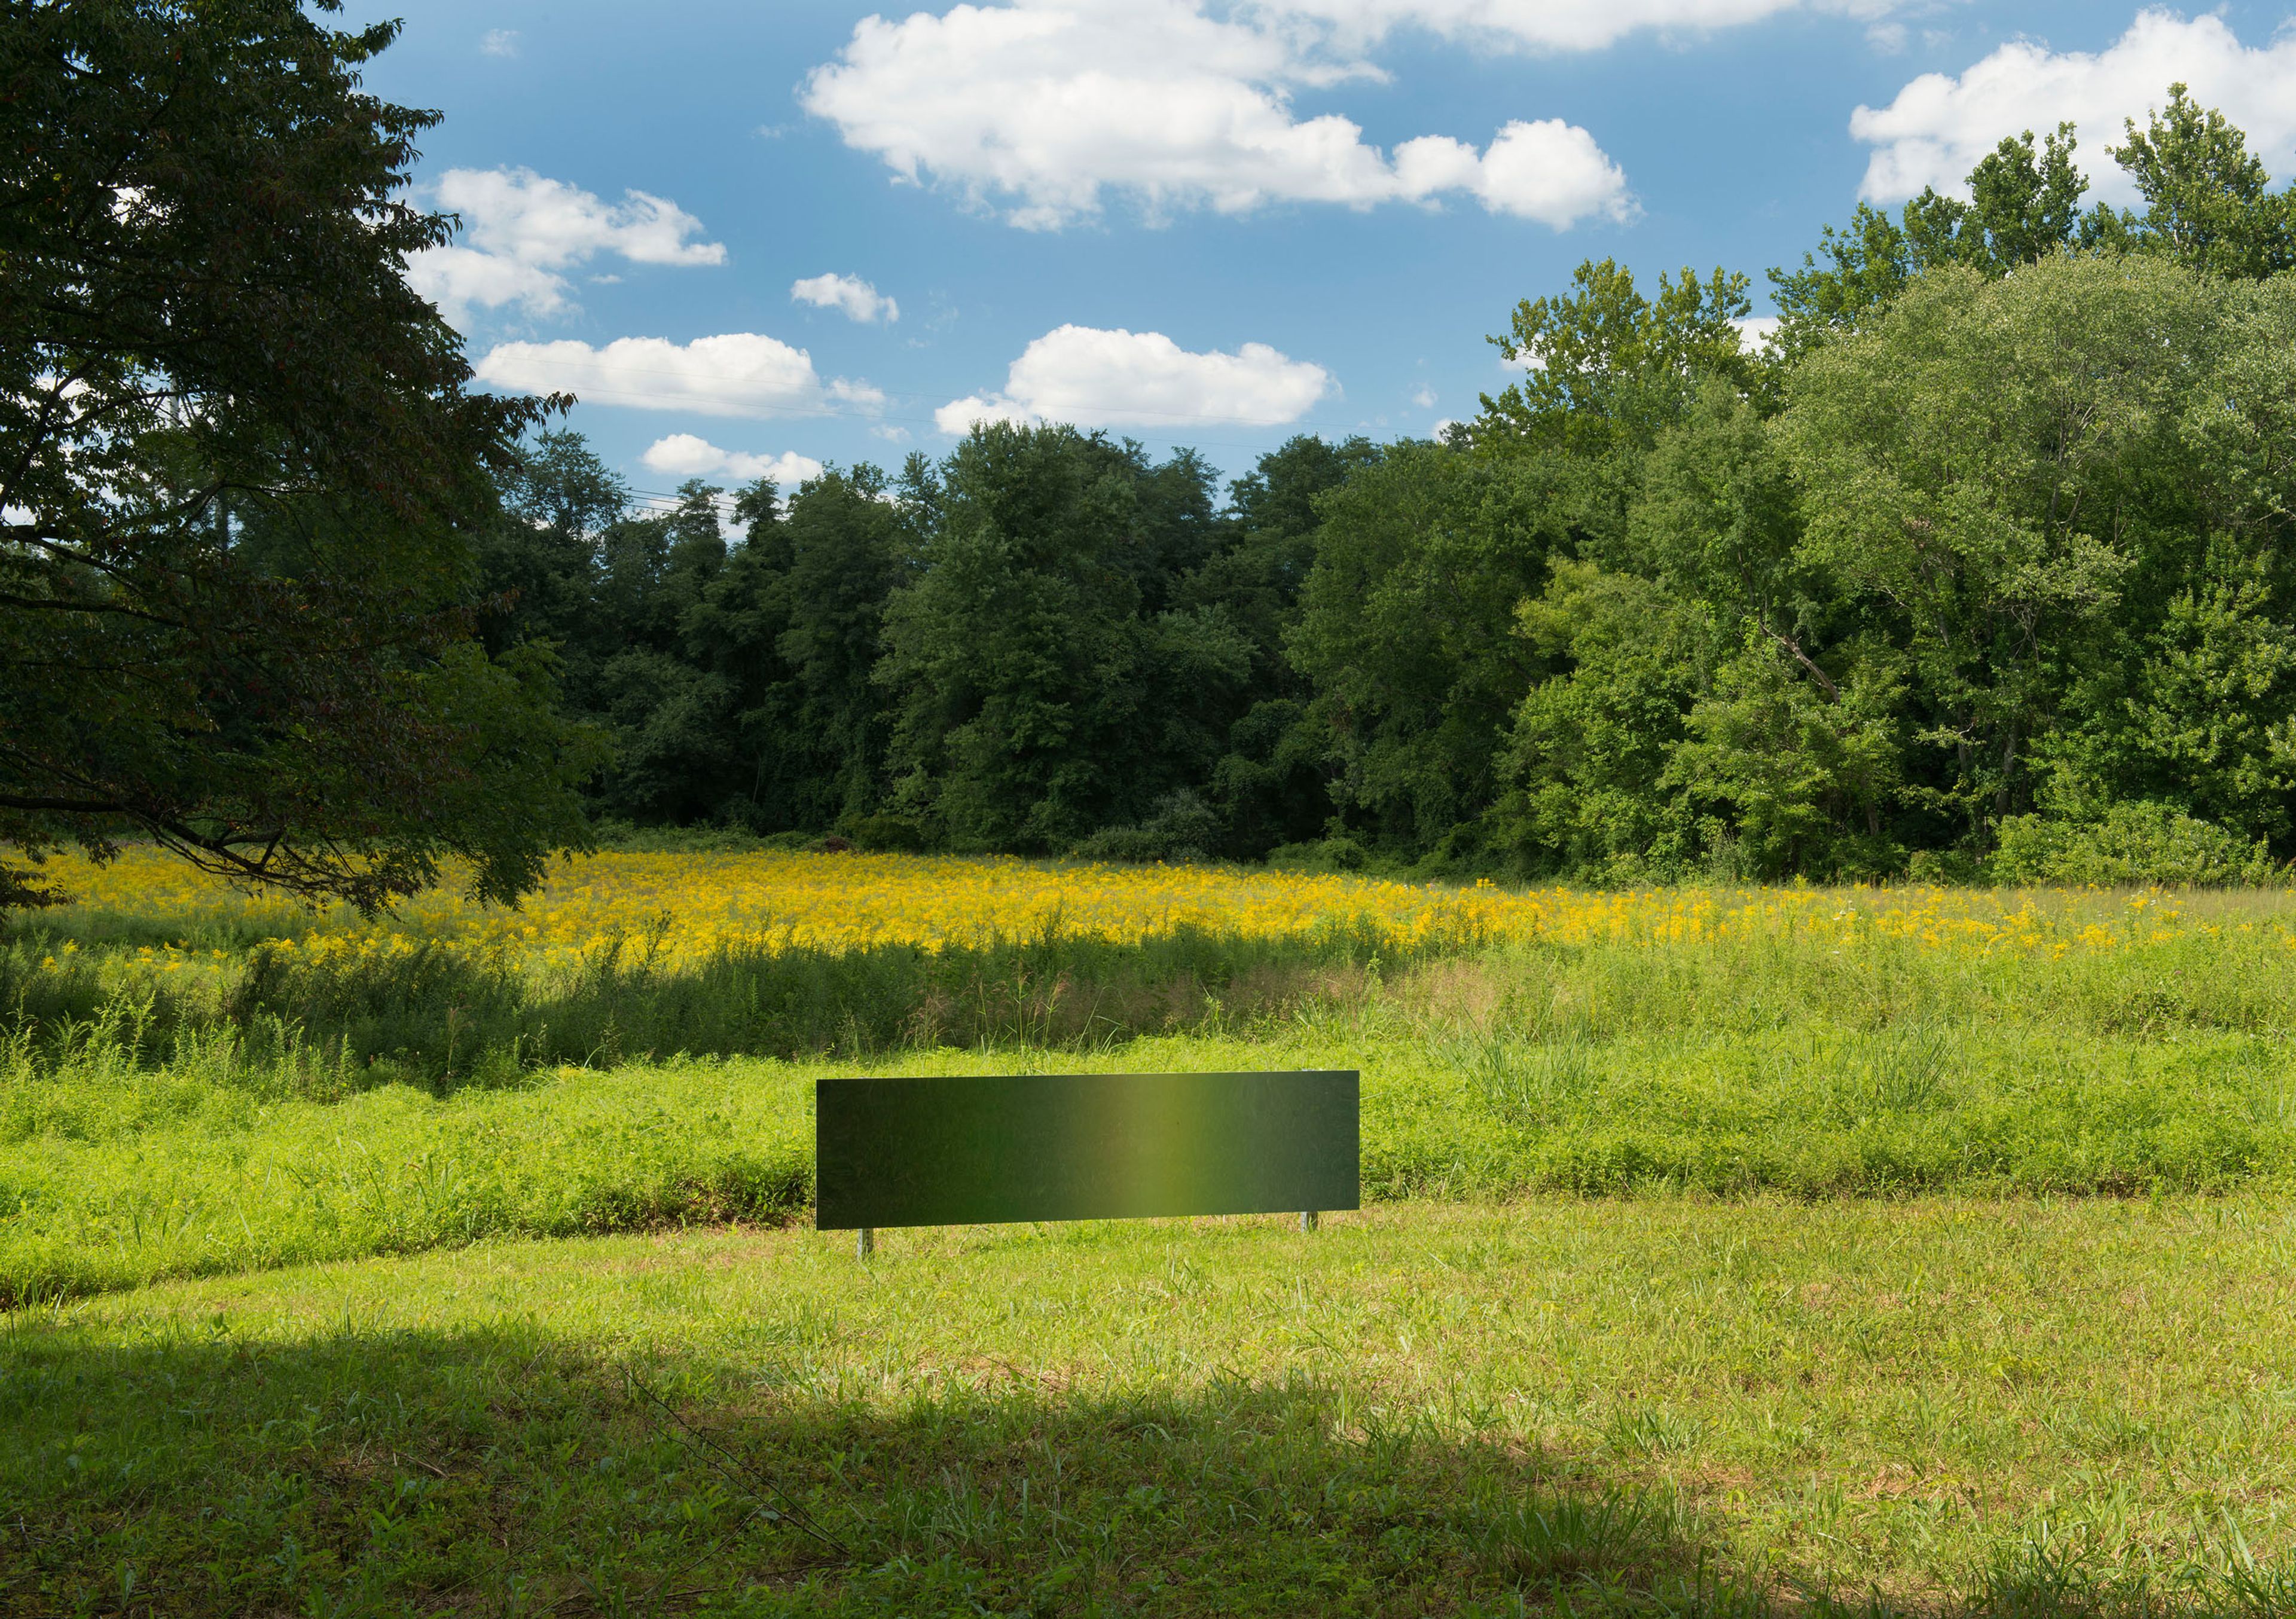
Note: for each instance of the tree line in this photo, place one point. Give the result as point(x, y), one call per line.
point(1992, 537)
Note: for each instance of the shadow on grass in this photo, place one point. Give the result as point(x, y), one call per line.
point(508, 1472)
point(274, 1016)
point(447, 1017)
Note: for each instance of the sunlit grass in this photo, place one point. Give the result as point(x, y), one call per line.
point(2040, 1408)
point(626, 955)
point(109, 1181)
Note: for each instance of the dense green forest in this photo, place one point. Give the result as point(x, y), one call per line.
point(1986, 556)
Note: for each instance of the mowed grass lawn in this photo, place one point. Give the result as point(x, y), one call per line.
point(2022, 1406)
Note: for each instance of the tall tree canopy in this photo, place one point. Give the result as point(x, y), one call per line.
point(242, 476)
point(1995, 534)
point(1047, 682)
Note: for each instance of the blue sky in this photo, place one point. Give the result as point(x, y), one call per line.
point(1193, 223)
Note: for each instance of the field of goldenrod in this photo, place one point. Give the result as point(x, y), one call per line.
point(426, 1077)
point(692, 905)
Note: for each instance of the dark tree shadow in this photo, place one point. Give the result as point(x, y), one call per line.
point(444, 1018)
point(511, 1473)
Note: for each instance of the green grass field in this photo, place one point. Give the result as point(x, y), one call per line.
point(111, 1182)
point(1714, 1277)
point(1662, 1404)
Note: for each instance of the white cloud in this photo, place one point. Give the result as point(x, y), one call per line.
point(520, 213)
point(456, 278)
point(1424, 398)
point(737, 373)
point(1939, 126)
point(855, 299)
point(1098, 378)
point(521, 231)
point(1042, 107)
point(685, 455)
point(1557, 25)
point(499, 41)
point(1549, 171)
point(1755, 331)
point(962, 415)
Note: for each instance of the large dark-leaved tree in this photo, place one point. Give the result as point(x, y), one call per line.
point(241, 477)
point(1044, 682)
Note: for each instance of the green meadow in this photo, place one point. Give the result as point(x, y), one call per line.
point(1722, 1276)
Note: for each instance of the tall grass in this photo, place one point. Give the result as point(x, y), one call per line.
point(279, 1105)
point(437, 1015)
point(163, 1174)
point(113, 1175)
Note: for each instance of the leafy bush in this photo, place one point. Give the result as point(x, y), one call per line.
point(1328, 854)
point(1183, 828)
point(2132, 843)
point(611, 832)
point(890, 834)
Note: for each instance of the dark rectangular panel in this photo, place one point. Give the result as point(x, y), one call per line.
point(977, 1151)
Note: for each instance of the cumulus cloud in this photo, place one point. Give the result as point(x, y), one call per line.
point(850, 295)
point(521, 232)
point(1755, 331)
point(1095, 377)
point(1041, 107)
point(1549, 171)
point(457, 278)
point(1558, 25)
point(499, 41)
point(1939, 125)
point(736, 374)
point(687, 456)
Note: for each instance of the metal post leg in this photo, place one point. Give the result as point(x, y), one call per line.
point(864, 1243)
point(1310, 1220)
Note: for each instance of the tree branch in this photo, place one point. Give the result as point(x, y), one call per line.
point(1824, 681)
point(60, 806)
point(37, 604)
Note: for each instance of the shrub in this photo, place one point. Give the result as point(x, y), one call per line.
point(1328, 855)
point(890, 834)
point(612, 832)
point(1183, 828)
point(2132, 843)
